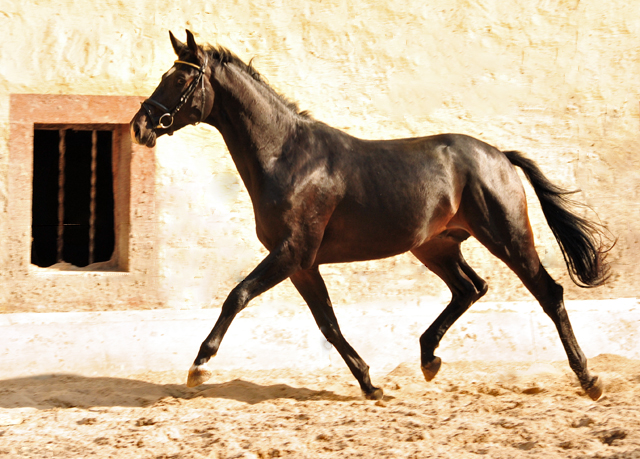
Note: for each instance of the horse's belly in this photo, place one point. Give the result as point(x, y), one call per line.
point(362, 239)
point(358, 232)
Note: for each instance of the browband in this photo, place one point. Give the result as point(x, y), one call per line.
point(190, 64)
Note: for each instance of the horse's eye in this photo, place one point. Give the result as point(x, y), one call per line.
point(181, 81)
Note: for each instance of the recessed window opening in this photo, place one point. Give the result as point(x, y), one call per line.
point(73, 198)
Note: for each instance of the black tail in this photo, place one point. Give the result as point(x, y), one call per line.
point(580, 240)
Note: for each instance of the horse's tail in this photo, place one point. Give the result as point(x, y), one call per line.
point(580, 240)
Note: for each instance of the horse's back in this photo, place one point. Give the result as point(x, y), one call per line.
point(425, 168)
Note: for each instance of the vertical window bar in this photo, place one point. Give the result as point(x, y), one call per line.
point(62, 147)
point(94, 179)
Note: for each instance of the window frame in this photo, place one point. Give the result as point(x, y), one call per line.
point(135, 254)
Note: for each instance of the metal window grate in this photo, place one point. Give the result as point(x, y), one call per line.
point(73, 202)
point(62, 148)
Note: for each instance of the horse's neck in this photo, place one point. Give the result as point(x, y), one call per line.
point(255, 123)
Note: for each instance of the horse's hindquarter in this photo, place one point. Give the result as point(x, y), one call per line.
point(397, 195)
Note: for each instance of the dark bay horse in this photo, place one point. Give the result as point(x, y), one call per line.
point(322, 196)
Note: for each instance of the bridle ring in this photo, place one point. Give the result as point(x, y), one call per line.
point(162, 123)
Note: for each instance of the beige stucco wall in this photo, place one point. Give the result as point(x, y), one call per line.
point(556, 80)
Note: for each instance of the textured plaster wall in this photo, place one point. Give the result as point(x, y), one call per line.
point(554, 79)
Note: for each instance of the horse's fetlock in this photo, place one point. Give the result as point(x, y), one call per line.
point(207, 350)
point(427, 347)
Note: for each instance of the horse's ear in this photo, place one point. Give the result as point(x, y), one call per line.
point(177, 44)
point(191, 42)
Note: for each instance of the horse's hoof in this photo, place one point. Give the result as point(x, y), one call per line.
point(198, 374)
point(377, 394)
point(595, 388)
point(430, 370)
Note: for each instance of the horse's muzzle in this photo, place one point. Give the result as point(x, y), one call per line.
point(140, 132)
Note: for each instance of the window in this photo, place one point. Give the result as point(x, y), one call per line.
point(81, 236)
point(73, 206)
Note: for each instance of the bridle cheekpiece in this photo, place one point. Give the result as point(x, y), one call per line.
point(166, 120)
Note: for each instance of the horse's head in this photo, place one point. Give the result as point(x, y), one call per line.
point(184, 95)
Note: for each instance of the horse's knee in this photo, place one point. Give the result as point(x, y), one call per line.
point(236, 301)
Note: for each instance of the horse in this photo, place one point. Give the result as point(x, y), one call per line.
point(323, 196)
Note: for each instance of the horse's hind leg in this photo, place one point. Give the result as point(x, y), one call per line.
point(443, 257)
point(314, 291)
point(512, 242)
point(550, 296)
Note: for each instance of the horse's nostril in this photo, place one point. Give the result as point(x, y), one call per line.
point(135, 130)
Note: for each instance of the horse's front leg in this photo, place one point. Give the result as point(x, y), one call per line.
point(312, 288)
point(276, 267)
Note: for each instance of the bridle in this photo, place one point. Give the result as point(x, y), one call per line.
point(166, 120)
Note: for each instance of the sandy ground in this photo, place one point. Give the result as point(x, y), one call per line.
point(499, 410)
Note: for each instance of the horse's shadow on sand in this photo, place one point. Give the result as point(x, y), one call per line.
point(67, 391)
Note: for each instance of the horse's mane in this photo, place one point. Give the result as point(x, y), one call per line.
point(225, 56)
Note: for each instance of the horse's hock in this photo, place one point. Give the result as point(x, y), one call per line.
point(560, 91)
